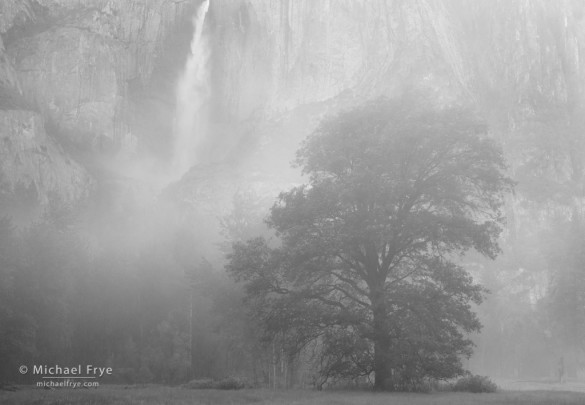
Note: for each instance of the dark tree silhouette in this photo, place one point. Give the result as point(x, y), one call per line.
point(366, 262)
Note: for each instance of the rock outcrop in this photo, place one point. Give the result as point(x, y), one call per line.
point(88, 68)
point(69, 64)
point(30, 158)
point(277, 68)
point(278, 55)
point(75, 60)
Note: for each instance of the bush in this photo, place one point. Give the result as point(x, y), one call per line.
point(229, 383)
point(205, 383)
point(475, 383)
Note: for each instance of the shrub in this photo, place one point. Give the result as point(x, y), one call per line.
point(475, 383)
point(229, 383)
point(202, 384)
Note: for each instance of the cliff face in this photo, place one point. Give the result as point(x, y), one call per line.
point(75, 60)
point(280, 66)
point(276, 68)
point(68, 64)
point(90, 70)
point(277, 55)
point(29, 158)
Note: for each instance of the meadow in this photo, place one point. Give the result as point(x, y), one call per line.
point(157, 395)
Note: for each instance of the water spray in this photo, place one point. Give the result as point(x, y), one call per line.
point(193, 91)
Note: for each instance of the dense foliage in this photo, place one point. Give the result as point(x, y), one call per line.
point(475, 383)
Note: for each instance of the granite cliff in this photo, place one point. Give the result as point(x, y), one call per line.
point(87, 86)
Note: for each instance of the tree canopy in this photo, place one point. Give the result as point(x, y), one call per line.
point(365, 264)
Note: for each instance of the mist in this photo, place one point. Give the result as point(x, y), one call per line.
point(182, 193)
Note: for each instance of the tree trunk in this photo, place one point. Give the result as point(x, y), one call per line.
point(382, 370)
point(381, 365)
point(193, 360)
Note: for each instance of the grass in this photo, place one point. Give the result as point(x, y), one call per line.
point(111, 395)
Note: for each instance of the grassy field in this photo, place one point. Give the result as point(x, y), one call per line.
point(178, 396)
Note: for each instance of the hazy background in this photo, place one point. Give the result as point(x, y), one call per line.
point(124, 180)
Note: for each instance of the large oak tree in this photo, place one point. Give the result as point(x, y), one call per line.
point(366, 257)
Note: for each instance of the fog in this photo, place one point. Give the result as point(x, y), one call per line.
point(139, 157)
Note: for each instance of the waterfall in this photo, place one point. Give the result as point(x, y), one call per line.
point(193, 91)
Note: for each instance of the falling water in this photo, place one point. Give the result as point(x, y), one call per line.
point(192, 92)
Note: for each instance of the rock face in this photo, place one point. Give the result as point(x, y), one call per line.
point(280, 66)
point(277, 66)
point(71, 75)
point(282, 54)
point(8, 77)
point(29, 158)
point(69, 63)
point(76, 60)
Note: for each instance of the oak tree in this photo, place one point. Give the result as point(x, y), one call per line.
point(366, 258)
